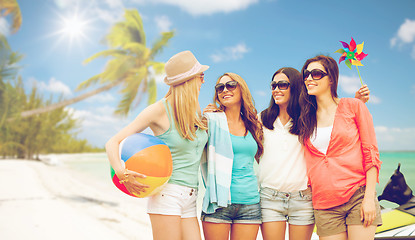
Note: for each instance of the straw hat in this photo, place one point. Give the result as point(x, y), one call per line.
point(181, 68)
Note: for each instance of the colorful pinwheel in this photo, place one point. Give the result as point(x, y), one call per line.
point(352, 54)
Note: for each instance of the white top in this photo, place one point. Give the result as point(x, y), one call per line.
point(282, 166)
point(321, 138)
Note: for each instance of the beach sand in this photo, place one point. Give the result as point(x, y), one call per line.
point(39, 201)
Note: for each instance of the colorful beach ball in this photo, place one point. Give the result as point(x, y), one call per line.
point(147, 155)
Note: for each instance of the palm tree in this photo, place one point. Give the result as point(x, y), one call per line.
point(131, 65)
point(11, 7)
point(7, 57)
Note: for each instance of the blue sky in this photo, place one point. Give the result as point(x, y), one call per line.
point(253, 38)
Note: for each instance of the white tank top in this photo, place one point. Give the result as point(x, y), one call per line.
point(321, 138)
point(282, 166)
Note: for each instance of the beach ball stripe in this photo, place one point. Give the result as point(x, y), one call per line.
point(147, 165)
point(131, 146)
point(147, 155)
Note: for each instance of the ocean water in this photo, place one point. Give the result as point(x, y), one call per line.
point(97, 166)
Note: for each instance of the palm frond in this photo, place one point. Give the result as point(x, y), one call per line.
point(136, 48)
point(117, 69)
point(110, 52)
point(133, 84)
point(152, 91)
point(91, 81)
point(129, 94)
point(158, 67)
point(135, 24)
point(161, 43)
point(118, 35)
point(11, 7)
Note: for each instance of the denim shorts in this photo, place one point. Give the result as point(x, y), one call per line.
point(296, 208)
point(235, 213)
point(174, 199)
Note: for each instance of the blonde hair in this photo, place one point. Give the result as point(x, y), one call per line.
point(186, 109)
point(248, 112)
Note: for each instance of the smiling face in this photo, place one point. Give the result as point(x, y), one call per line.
point(281, 97)
point(227, 97)
point(317, 87)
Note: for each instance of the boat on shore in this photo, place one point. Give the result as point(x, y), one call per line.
point(399, 222)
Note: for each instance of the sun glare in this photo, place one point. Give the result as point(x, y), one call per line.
point(73, 27)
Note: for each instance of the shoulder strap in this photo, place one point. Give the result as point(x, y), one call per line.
point(169, 111)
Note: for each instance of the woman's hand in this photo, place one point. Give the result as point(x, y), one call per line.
point(367, 211)
point(128, 178)
point(363, 93)
point(211, 108)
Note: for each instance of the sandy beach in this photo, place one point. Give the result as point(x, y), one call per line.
point(40, 201)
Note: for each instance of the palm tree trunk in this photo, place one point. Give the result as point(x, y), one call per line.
point(64, 103)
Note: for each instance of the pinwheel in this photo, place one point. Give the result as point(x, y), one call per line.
point(352, 54)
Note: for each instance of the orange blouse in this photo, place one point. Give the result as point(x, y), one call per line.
point(336, 175)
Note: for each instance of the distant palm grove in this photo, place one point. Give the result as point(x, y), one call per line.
point(32, 124)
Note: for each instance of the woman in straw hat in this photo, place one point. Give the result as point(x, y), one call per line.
point(176, 119)
point(231, 202)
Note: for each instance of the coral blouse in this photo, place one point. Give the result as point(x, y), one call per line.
point(336, 175)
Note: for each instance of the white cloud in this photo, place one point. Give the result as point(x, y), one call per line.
point(349, 84)
point(163, 23)
point(405, 36)
point(393, 41)
point(53, 86)
point(109, 11)
point(107, 16)
point(406, 32)
point(63, 3)
point(99, 124)
point(393, 138)
point(230, 53)
point(101, 98)
point(206, 7)
point(4, 27)
point(374, 99)
point(115, 3)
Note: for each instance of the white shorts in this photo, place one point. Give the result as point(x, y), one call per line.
point(174, 200)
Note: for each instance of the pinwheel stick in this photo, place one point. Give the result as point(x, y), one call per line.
point(361, 82)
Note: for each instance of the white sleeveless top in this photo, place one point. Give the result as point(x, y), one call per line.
point(321, 138)
point(282, 166)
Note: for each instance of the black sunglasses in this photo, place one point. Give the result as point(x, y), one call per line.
point(231, 85)
point(282, 85)
point(316, 74)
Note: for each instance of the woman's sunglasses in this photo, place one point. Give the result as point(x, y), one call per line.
point(316, 74)
point(282, 85)
point(231, 85)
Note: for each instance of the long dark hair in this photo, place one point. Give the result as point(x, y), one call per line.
point(308, 117)
point(248, 112)
point(269, 115)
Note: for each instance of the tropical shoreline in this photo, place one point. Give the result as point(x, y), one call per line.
point(40, 201)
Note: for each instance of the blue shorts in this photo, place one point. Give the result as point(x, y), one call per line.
point(296, 208)
point(235, 213)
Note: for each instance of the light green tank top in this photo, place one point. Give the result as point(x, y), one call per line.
point(186, 154)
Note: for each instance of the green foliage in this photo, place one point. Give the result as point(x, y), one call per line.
point(131, 62)
point(51, 132)
point(11, 7)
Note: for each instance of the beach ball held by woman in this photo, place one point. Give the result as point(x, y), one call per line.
point(147, 155)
